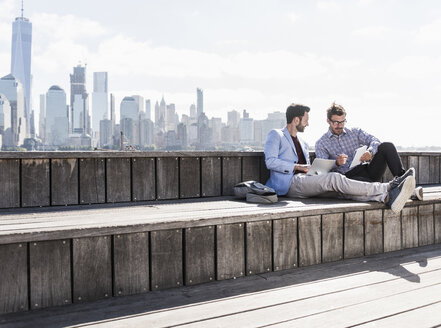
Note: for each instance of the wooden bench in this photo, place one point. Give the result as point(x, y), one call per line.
point(57, 256)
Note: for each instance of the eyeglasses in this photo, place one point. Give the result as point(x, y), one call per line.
point(338, 122)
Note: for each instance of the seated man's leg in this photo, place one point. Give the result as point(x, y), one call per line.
point(386, 156)
point(310, 186)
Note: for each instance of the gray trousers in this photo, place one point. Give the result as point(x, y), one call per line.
point(303, 186)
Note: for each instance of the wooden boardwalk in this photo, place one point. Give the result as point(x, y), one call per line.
point(396, 289)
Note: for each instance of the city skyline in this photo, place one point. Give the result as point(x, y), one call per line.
point(381, 58)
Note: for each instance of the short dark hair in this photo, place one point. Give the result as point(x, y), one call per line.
point(335, 109)
point(295, 110)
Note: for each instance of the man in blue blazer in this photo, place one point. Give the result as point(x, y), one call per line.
point(287, 158)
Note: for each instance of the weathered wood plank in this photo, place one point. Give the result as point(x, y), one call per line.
point(167, 174)
point(264, 172)
point(50, 273)
point(131, 263)
point(392, 231)
point(166, 259)
point(64, 181)
point(424, 169)
point(231, 174)
point(230, 251)
point(426, 235)
point(409, 227)
point(14, 278)
point(251, 168)
point(118, 180)
point(258, 247)
point(92, 268)
point(143, 179)
point(285, 244)
point(309, 240)
point(354, 235)
point(10, 183)
point(405, 161)
point(414, 162)
point(211, 176)
point(332, 237)
point(35, 182)
point(373, 227)
point(434, 169)
point(92, 181)
point(387, 175)
point(437, 225)
point(199, 255)
point(190, 177)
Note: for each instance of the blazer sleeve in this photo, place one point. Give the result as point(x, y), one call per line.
point(272, 156)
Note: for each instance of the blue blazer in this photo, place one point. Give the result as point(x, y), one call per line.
point(280, 158)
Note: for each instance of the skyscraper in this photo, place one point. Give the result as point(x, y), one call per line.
point(21, 60)
point(100, 102)
point(79, 101)
point(200, 101)
point(56, 123)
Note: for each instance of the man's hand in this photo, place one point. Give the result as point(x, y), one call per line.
point(341, 159)
point(302, 168)
point(367, 156)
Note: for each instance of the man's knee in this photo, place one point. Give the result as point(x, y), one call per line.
point(386, 147)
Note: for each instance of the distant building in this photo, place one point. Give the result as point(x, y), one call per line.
point(146, 133)
point(100, 103)
point(21, 61)
point(42, 118)
point(106, 133)
point(148, 109)
point(56, 122)
point(5, 120)
point(12, 89)
point(200, 101)
point(246, 129)
point(79, 101)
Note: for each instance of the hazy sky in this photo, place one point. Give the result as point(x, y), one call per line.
point(380, 59)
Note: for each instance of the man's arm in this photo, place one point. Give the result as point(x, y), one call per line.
point(320, 150)
point(368, 140)
point(272, 160)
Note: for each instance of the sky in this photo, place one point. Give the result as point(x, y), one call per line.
point(380, 59)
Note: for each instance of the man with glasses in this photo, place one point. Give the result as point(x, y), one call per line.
point(340, 143)
point(287, 158)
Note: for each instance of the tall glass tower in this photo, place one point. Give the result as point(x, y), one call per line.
point(21, 59)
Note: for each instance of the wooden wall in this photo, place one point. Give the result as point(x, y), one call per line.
point(74, 270)
point(58, 179)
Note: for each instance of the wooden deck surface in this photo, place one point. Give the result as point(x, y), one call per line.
point(398, 289)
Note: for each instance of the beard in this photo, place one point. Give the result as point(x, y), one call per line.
point(300, 127)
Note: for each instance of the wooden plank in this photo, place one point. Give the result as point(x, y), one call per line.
point(10, 183)
point(424, 169)
point(166, 259)
point(392, 231)
point(190, 177)
point(64, 181)
point(409, 227)
point(437, 223)
point(373, 227)
point(332, 237)
point(426, 235)
point(230, 251)
point(251, 168)
point(35, 182)
point(167, 173)
point(258, 247)
point(211, 178)
point(199, 255)
point(434, 169)
point(92, 268)
point(285, 244)
point(50, 273)
point(353, 235)
point(131, 263)
point(92, 180)
point(231, 174)
point(405, 161)
point(309, 240)
point(414, 162)
point(118, 180)
point(14, 278)
point(143, 179)
point(387, 175)
point(264, 172)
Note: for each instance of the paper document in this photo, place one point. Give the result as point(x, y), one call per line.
point(321, 166)
point(358, 153)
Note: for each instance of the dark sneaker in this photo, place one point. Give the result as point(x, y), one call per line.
point(397, 180)
point(417, 194)
point(399, 195)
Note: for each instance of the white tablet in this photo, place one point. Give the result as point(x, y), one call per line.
point(321, 166)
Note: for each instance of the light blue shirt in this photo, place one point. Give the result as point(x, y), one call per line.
point(329, 146)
